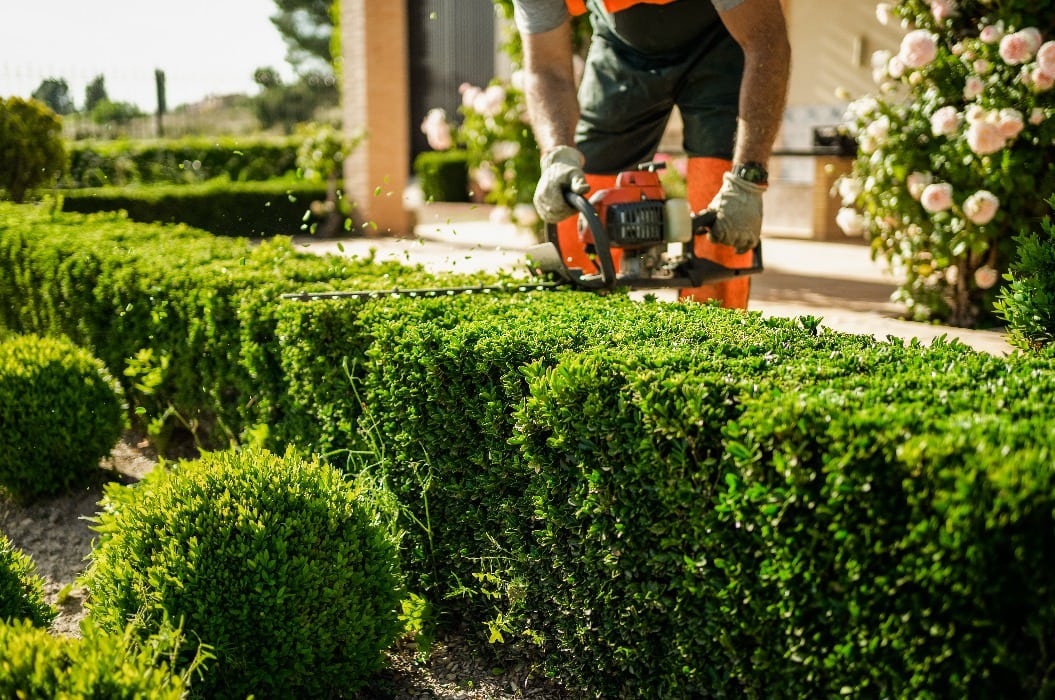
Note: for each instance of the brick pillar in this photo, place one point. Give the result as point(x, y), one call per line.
point(375, 101)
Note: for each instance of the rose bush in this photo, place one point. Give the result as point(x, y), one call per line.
point(502, 153)
point(955, 150)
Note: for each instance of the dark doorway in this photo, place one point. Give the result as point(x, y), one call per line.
point(450, 42)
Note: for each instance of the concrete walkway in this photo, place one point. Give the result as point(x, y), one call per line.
point(837, 282)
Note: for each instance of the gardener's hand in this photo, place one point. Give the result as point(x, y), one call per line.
point(561, 171)
point(738, 206)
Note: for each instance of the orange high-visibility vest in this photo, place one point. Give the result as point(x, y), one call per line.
point(578, 7)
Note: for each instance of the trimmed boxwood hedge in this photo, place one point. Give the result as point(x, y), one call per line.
point(674, 497)
point(250, 209)
point(21, 588)
point(60, 413)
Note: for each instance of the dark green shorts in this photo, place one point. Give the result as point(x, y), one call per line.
point(626, 99)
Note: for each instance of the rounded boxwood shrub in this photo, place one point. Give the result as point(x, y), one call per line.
point(36, 665)
point(61, 414)
point(21, 589)
point(283, 568)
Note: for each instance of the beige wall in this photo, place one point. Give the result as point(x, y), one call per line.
point(832, 44)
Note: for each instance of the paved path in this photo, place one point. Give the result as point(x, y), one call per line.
point(837, 282)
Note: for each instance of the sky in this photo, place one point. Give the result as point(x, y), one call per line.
point(205, 47)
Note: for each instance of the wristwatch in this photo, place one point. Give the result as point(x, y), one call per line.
point(754, 173)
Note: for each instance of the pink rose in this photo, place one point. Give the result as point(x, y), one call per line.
point(974, 87)
point(485, 177)
point(982, 66)
point(885, 13)
point(437, 130)
point(917, 182)
point(1046, 57)
point(936, 197)
point(983, 137)
point(981, 207)
point(1037, 116)
point(1041, 81)
point(991, 34)
point(945, 121)
point(469, 94)
point(489, 101)
point(942, 9)
point(851, 222)
point(985, 277)
point(918, 48)
point(1033, 38)
point(1010, 123)
point(1018, 47)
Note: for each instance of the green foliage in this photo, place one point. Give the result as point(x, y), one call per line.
point(61, 412)
point(907, 513)
point(107, 112)
point(307, 27)
point(943, 134)
point(322, 150)
point(21, 589)
point(184, 160)
point(675, 497)
point(32, 153)
point(443, 175)
point(184, 318)
point(500, 144)
point(281, 566)
point(279, 104)
point(55, 93)
point(35, 665)
point(1028, 302)
point(221, 207)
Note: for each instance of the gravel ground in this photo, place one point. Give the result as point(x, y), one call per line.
point(56, 534)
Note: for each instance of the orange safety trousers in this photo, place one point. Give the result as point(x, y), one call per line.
point(703, 180)
point(578, 7)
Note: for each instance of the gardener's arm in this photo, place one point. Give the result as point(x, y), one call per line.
point(549, 86)
point(759, 27)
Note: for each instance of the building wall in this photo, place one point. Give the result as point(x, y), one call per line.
point(832, 44)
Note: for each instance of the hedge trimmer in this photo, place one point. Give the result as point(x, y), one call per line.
point(654, 235)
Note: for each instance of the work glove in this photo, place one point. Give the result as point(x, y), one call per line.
point(561, 171)
point(738, 210)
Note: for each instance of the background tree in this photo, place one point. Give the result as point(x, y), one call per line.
point(94, 93)
point(55, 93)
point(32, 152)
point(307, 28)
point(107, 112)
point(286, 106)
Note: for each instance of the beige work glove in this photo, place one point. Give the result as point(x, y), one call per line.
point(738, 206)
point(561, 171)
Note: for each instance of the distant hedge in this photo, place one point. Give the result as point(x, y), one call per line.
point(182, 161)
point(250, 209)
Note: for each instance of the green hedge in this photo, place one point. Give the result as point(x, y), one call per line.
point(61, 414)
point(286, 571)
point(250, 209)
point(670, 497)
point(443, 175)
point(184, 320)
point(21, 588)
point(186, 160)
point(36, 665)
